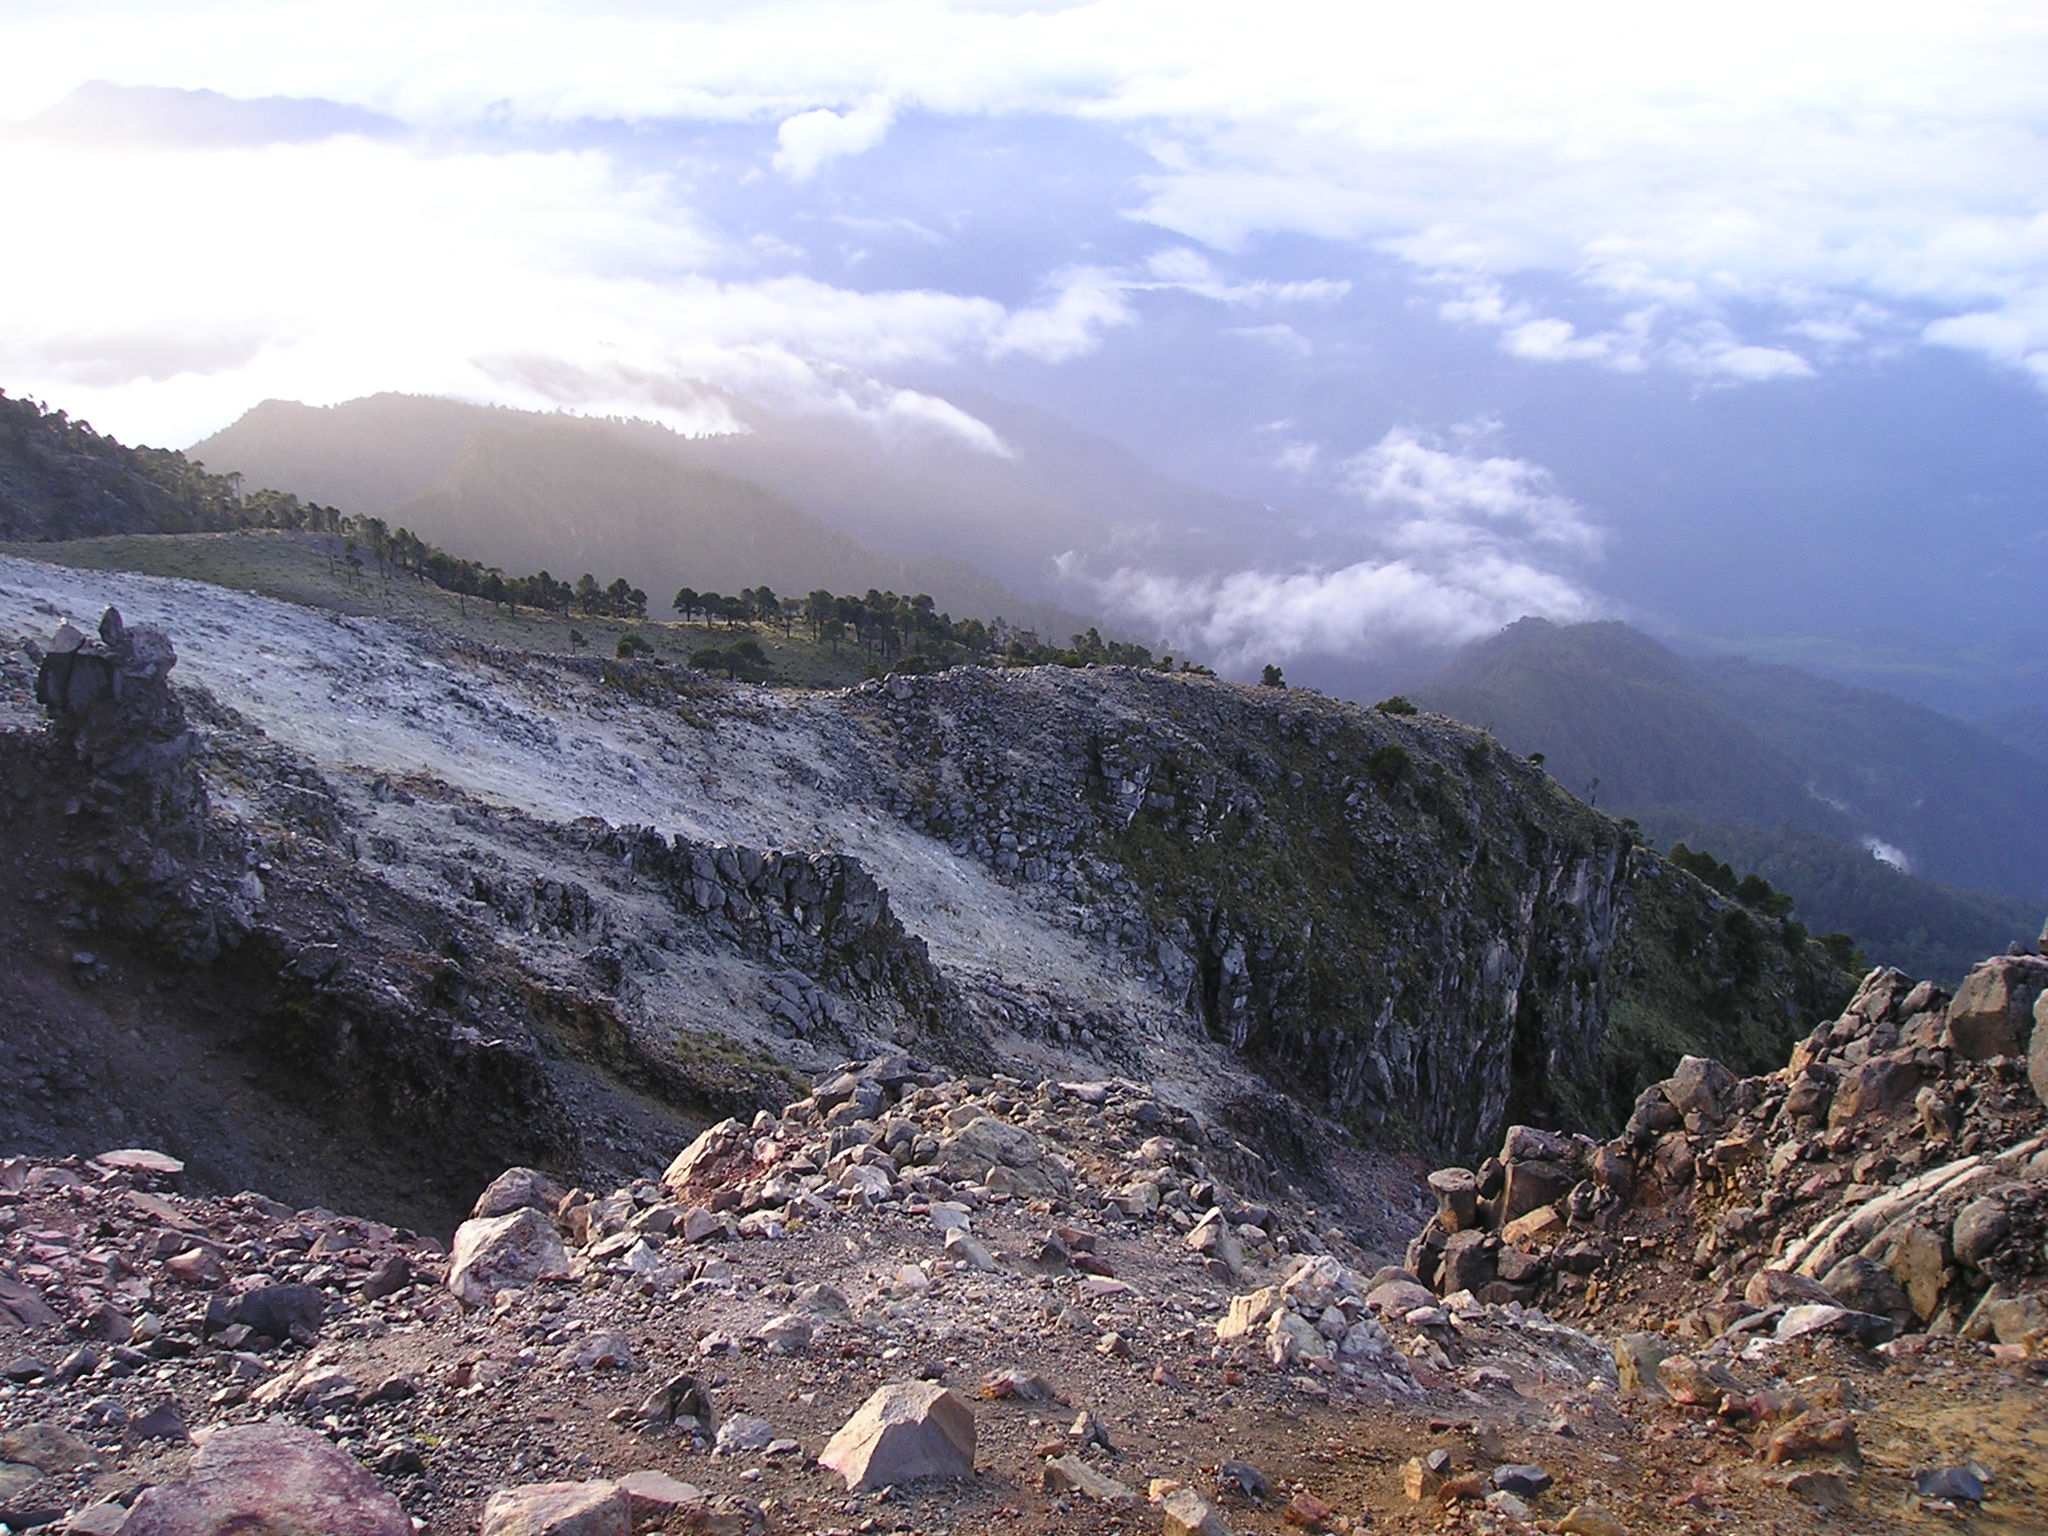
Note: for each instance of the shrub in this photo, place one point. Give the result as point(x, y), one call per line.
point(1399, 704)
point(1388, 764)
point(1271, 678)
point(633, 645)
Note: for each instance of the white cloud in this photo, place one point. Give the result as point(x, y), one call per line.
point(1471, 542)
point(809, 139)
point(1887, 853)
point(322, 271)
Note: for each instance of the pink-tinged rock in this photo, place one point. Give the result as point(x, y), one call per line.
point(269, 1480)
point(503, 1253)
point(515, 1189)
point(906, 1431)
point(141, 1160)
point(654, 1496)
point(559, 1509)
point(196, 1266)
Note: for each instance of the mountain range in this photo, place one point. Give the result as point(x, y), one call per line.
point(1908, 828)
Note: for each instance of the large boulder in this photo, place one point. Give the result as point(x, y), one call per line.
point(504, 1253)
point(711, 1158)
point(1534, 1183)
point(987, 1143)
point(515, 1189)
point(1469, 1262)
point(1457, 1197)
point(906, 1431)
point(269, 1480)
point(1874, 1086)
point(1864, 1285)
point(1992, 1013)
point(1703, 1087)
point(559, 1509)
point(1980, 1230)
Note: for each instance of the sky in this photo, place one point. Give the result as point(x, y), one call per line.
point(1732, 323)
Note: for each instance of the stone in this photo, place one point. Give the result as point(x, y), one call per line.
point(2013, 1319)
point(2037, 1050)
point(1540, 1226)
point(1534, 1183)
point(508, 1252)
point(1308, 1511)
point(904, 1432)
point(1521, 1479)
point(163, 1422)
point(141, 1161)
point(271, 1480)
point(786, 1334)
point(1980, 1229)
point(1701, 1086)
point(1813, 1434)
point(1784, 1288)
point(1457, 1196)
point(1290, 1337)
point(390, 1276)
point(1636, 1358)
point(48, 1448)
point(1186, 1513)
point(1247, 1312)
point(1992, 1012)
point(1873, 1087)
point(1421, 1481)
point(1686, 1381)
point(1468, 1262)
point(103, 1519)
point(1824, 1490)
point(1864, 1285)
point(1956, 1484)
point(517, 1189)
point(1397, 1298)
point(1612, 1169)
point(742, 1434)
point(1070, 1474)
point(1212, 1238)
point(823, 1301)
point(274, 1311)
point(559, 1509)
point(1509, 1505)
point(196, 1266)
point(1526, 1144)
point(1866, 1328)
point(977, 1148)
point(700, 1223)
point(652, 1497)
point(1590, 1520)
point(970, 1250)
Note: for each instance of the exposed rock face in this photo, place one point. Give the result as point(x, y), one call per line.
point(269, 1480)
point(1993, 1010)
point(1263, 859)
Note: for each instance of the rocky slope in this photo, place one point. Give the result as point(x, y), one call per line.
point(1307, 918)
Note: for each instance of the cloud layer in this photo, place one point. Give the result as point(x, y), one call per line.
point(1471, 542)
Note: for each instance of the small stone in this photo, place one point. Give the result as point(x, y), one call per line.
point(141, 1160)
point(1636, 1358)
point(742, 1434)
point(1244, 1478)
point(1186, 1513)
point(196, 1266)
point(103, 1519)
point(1501, 1502)
point(1308, 1511)
point(389, 1277)
point(904, 1432)
point(1420, 1481)
point(162, 1422)
point(559, 1509)
point(1956, 1484)
point(1521, 1479)
point(1590, 1520)
point(1018, 1383)
point(1064, 1474)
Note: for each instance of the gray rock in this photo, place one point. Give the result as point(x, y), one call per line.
point(518, 1189)
point(904, 1432)
point(1397, 1298)
point(1873, 1086)
point(1956, 1484)
point(507, 1252)
point(48, 1448)
point(743, 1433)
point(1992, 1011)
point(1186, 1513)
point(1865, 1327)
point(1636, 1358)
point(275, 1311)
point(1526, 1144)
point(1468, 1262)
point(1523, 1480)
point(559, 1509)
point(1980, 1229)
point(1531, 1184)
point(1701, 1086)
point(2037, 1051)
point(1864, 1285)
point(271, 1480)
point(1784, 1288)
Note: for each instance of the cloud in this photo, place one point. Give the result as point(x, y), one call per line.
point(361, 265)
point(1470, 542)
point(809, 139)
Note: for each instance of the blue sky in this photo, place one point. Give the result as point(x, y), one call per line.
point(1731, 326)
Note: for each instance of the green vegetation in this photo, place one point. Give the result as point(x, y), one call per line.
point(1398, 705)
point(1270, 677)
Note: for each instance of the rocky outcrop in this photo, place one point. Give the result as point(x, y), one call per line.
point(1394, 919)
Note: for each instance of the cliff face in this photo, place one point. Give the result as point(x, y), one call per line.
point(1404, 924)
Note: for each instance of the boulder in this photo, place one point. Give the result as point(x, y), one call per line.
point(1526, 1144)
point(1070, 1474)
point(904, 1432)
point(1992, 1011)
point(275, 1311)
point(1186, 1513)
point(1457, 1196)
point(1468, 1262)
point(270, 1480)
point(515, 1189)
point(1918, 1260)
point(1783, 1288)
point(652, 1497)
point(48, 1448)
point(1701, 1086)
point(707, 1158)
point(499, 1253)
point(1398, 1298)
point(1873, 1086)
point(1636, 1358)
point(559, 1509)
point(1980, 1230)
point(2037, 1052)
point(1864, 1285)
point(1533, 1183)
point(988, 1143)
point(1247, 1312)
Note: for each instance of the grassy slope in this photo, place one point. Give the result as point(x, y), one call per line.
point(296, 568)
